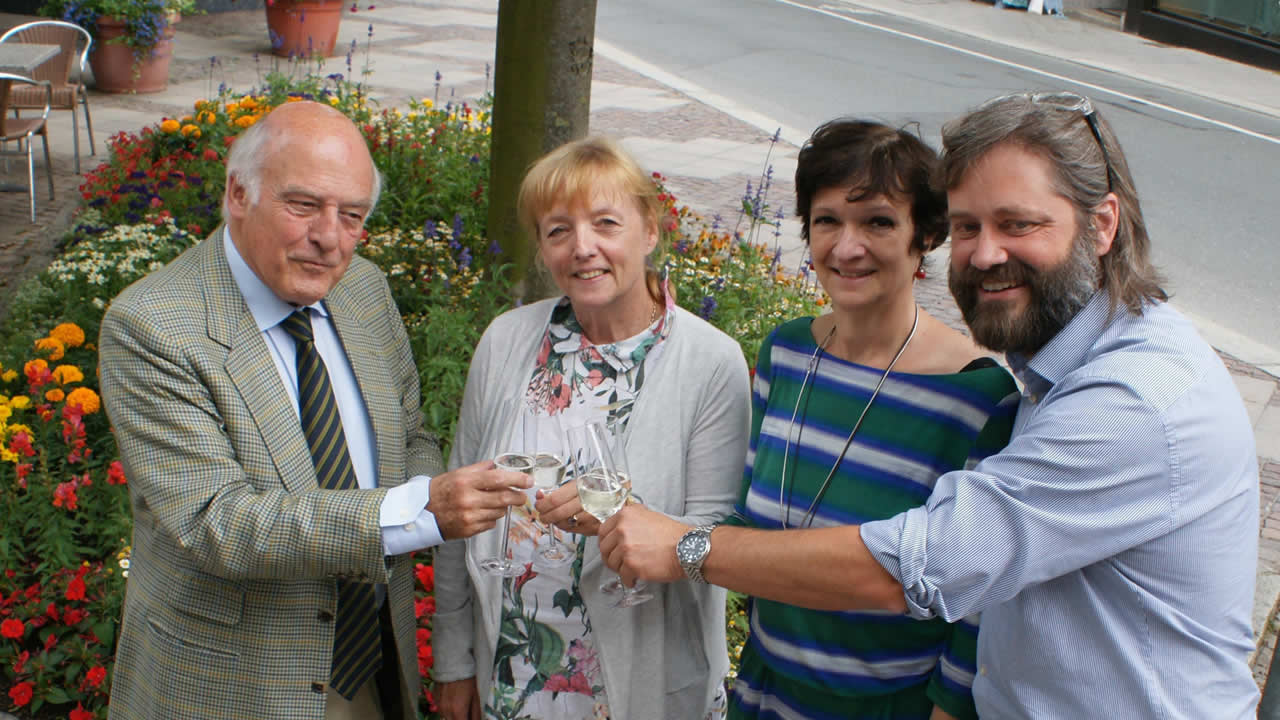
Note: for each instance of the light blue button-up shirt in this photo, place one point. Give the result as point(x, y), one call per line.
point(406, 524)
point(1111, 547)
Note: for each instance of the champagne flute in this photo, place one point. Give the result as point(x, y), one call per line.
point(601, 488)
point(614, 588)
point(522, 460)
point(550, 465)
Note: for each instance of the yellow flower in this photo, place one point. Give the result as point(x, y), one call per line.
point(5, 413)
point(293, 98)
point(9, 375)
point(20, 402)
point(67, 374)
point(428, 103)
point(190, 131)
point(205, 117)
point(169, 125)
point(54, 395)
point(186, 118)
point(248, 103)
point(8, 455)
point(232, 107)
point(16, 428)
point(245, 121)
point(53, 347)
point(200, 104)
point(86, 399)
point(69, 333)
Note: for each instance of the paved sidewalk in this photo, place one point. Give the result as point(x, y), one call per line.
point(708, 156)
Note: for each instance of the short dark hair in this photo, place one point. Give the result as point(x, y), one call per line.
point(877, 160)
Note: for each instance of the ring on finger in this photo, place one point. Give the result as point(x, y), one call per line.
point(573, 520)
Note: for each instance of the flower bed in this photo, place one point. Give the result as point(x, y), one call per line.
point(157, 194)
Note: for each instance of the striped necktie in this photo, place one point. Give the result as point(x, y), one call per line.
point(357, 640)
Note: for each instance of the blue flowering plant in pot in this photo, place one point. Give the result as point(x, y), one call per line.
point(132, 39)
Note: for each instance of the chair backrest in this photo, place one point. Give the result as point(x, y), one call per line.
point(74, 40)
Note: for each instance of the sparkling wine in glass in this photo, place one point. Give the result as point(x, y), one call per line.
point(522, 461)
point(549, 468)
point(620, 594)
point(603, 491)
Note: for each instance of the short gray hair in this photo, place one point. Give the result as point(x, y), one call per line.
point(1084, 169)
point(248, 156)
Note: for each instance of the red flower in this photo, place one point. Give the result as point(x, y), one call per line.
point(52, 612)
point(115, 473)
point(96, 675)
point(426, 576)
point(65, 496)
point(21, 693)
point(75, 589)
point(50, 641)
point(80, 713)
point(578, 683)
point(73, 616)
point(209, 154)
point(556, 683)
point(12, 629)
point(20, 662)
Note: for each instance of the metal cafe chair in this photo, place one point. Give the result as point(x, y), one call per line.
point(66, 92)
point(22, 130)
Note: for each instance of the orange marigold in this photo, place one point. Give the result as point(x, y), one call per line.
point(54, 395)
point(86, 399)
point(67, 374)
point(34, 367)
point(69, 333)
point(52, 347)
point(170, 125)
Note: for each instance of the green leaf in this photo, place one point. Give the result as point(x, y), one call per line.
point(546, 648)
point(57, 696)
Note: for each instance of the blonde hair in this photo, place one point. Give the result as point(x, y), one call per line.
point(576, 170)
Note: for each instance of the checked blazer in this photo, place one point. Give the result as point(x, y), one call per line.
point(229, 607)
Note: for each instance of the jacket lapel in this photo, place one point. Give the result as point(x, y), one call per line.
point(249, 365)
point(371, 375)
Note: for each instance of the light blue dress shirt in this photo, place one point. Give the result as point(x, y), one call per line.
point(1111, 547)
point(406, 524)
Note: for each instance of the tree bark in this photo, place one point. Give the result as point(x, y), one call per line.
point(542, 99)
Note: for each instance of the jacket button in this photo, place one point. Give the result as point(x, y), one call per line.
point(317, 687)
point(324, 616)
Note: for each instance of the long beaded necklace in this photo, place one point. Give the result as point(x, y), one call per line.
point(807, 521)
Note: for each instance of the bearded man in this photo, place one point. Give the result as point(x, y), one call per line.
point(1111, 546)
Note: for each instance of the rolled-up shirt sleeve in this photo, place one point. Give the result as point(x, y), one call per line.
point(1091, 471)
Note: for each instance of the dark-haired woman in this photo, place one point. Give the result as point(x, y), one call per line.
point(855, 415)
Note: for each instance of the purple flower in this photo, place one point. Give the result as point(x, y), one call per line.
point(457, 227)
point(494, 248)
point(464, 259)
point(708, 307)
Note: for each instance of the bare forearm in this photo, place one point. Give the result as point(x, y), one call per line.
point(826, 569)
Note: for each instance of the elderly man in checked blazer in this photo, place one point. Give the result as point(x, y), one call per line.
point(266, 405)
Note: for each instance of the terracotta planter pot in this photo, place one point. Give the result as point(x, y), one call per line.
point(116, 70)
point(304, 28)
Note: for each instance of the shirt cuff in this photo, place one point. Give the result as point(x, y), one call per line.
point(406, 523)
point(898, 544)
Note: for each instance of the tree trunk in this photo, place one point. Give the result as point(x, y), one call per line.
point(542, 98)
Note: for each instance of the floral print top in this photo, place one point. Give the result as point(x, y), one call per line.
point(546, 664)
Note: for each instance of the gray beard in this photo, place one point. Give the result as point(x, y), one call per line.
point(1057, 294)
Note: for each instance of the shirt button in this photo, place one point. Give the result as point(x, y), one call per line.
point(317, 687)
point(408, 527)
point(324, 616)
point(982, 670)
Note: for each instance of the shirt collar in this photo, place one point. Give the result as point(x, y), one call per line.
point(1067, 350)
point(267, 308)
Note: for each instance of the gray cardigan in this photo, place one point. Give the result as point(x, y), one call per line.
point(687, 443)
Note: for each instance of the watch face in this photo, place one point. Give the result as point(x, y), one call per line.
point(693, 546)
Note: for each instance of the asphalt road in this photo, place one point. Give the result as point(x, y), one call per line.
point(1207, 172)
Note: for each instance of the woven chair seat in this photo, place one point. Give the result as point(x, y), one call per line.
point(32, 97)
point(15, 128)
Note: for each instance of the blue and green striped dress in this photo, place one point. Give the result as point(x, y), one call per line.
point(811, 664)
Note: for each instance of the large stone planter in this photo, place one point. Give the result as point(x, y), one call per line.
point(117, 70)
point(303, 28)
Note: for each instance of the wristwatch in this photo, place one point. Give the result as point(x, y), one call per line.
point(692, 551)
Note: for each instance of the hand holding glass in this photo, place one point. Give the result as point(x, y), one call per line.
point(521, 460)
point(603, 488)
